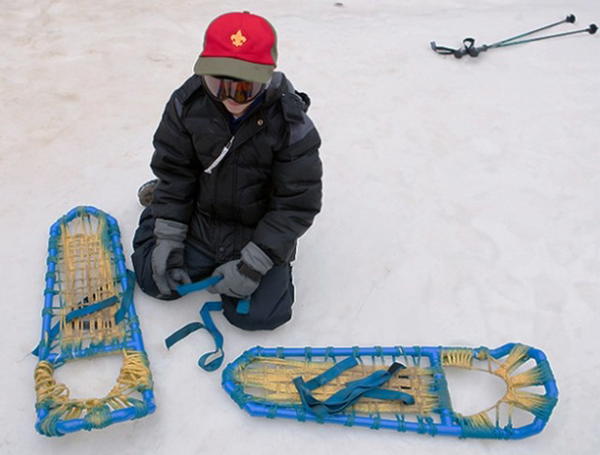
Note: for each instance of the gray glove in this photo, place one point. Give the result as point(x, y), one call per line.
point(242, 277)
point(167, 257)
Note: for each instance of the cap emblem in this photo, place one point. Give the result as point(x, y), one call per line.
point(238, 39)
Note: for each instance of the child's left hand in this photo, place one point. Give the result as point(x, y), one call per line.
point(234, 283)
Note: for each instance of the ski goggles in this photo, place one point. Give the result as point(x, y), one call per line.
point(241, 92)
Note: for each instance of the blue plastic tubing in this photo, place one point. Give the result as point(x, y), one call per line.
point(432, 352)
point(120, 415)
point(135, 344)
point(446, 427)
point(49, 297)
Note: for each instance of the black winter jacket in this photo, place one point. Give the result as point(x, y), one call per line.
point(267, 188)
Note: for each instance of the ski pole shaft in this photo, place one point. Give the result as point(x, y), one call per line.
point(522, 35)
point(570, 19)
point(591, 30)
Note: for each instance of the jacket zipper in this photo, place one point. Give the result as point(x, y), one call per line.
point(217, 246)
point(221, 156)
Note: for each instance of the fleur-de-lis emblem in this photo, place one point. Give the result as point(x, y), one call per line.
point(238, 39)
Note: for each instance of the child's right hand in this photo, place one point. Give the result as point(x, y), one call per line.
point(168, 270)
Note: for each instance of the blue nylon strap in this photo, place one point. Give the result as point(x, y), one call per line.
point(243, 306)
point(51, 335)
point(198, 285)
point(332, 373)
point(127, 298)
point(119, 315)
point(182, 333)
point(211, 360)
point(53, 332)
point(368, 386)
point(86, 310)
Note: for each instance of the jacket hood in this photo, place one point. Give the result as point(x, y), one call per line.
point(281, 85)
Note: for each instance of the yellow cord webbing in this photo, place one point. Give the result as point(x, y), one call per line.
point(86, 276)
point(462, 358)
point(479, 421)
point(134, 376)
point(270, 378)
point(517, 357)
point(531, 402)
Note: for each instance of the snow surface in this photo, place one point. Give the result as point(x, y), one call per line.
point(460, 202)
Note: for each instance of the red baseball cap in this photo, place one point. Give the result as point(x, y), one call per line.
point(239, 45)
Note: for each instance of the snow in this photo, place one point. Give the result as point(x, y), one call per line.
point(460, 201)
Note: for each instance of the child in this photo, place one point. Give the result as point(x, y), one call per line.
point(239, 178)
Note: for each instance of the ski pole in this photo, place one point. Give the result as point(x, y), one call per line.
point(593, 28)
point(470, 49)
point(569, 19)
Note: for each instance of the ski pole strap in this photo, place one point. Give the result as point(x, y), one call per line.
point(242, 307)
point(468, 48)
point(366, 387)
point(441, 49)
point(212, 360)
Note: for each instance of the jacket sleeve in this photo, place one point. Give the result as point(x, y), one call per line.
point(175, 164)
point(296, 196)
